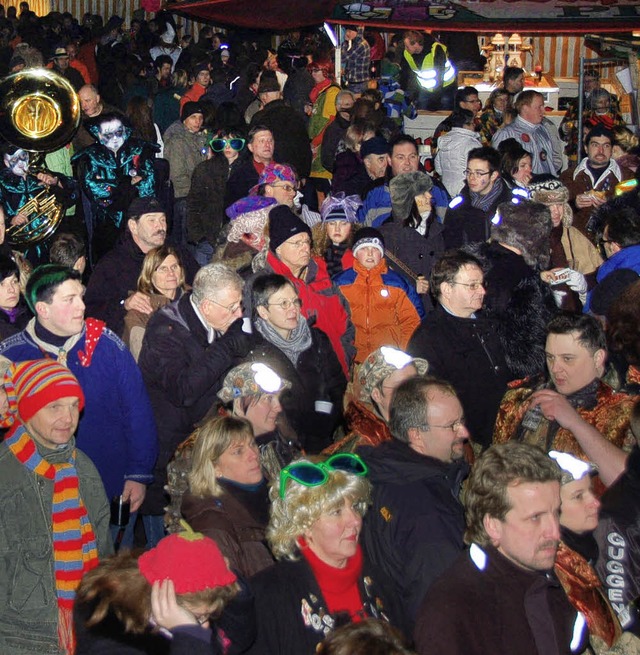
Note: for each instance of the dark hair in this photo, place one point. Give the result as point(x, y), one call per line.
point(161, 60)
point(265, 286)
point(488, 154)
point(589, 329)
point(44, 282)
point(623, 319)
point(461, 117)
point(623, 227)
point(512, 153)
point(399, 139)
point(66, 249)
point(255, 129)
point(410, 404)
point(141, 118)
point(8, 268)
point(511, 73)
point(447, 266)
point(462, 95)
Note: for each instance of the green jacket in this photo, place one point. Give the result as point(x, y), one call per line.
point(28, 605)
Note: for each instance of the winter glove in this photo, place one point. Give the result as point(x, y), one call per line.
point(577, 282)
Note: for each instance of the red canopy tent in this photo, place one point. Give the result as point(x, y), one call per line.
point(523, 16)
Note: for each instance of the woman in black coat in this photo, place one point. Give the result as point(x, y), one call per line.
point(302, 354)
point(14, 314)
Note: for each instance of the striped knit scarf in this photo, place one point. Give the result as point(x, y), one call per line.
point(74, 542)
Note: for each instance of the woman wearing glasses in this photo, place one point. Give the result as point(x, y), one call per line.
point(322, 579)
point(207, 199)
point(301, 354)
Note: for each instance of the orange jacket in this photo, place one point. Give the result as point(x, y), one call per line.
point(385, 308)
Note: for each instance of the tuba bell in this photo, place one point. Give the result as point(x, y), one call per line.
point(40, 112)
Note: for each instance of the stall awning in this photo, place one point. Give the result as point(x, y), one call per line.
point(524, 16)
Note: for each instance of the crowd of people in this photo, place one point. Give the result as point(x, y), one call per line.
point(272, 387)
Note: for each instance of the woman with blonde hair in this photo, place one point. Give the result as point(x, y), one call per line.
point(228, 496)
point(625, 148)
point(162, 280)
point(160, 602)
point(322, 578)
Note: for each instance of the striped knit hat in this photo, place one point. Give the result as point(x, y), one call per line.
point(32, 385)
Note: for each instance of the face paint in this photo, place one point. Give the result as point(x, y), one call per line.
point(112, 135)
point(17, 163)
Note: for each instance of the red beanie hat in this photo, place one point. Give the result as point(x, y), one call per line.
point(32, 385)
point(192, 561)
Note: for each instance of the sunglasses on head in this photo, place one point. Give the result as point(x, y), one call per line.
point(315, 475)
point(218, 145)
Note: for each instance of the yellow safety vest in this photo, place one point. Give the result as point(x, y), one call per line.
point(427, 74)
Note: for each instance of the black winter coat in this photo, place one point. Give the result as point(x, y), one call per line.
point(292, 145)
point(206, 201)
point(243, 176)
point(317, 376)
point(116, 276)
point(182, 373)
point(291, 612)
point(413, 530)
point(418, 252)
point(467, 353)
point(8, 329)
point(464, 224)
point(521, 303)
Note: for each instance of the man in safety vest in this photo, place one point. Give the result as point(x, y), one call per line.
point(426, 74)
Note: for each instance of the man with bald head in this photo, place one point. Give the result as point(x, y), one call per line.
point(92, 106)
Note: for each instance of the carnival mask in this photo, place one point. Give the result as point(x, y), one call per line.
point(18, 162)
point(112, 135)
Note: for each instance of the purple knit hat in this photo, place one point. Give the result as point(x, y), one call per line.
point(248, 216)
point(274, 173)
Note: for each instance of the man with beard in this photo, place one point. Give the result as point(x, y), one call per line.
point(110, 292)
point(503, 591)
point(414, 529)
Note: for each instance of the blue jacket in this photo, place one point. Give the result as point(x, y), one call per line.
point(117, 429)
point(628, 257)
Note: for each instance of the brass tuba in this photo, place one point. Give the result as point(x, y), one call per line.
point(40, 112)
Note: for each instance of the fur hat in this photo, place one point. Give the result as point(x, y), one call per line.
point(553, 192)
point(190, 560)
point(248, 216)
point(368, 237)
point(284, 224)
point(251, 379)
point(31, 385)
point(380, 364)
point(524, 225)
point(404, 188)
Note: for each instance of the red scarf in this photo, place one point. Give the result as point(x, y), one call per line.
point(339, 587)
point(318, 89)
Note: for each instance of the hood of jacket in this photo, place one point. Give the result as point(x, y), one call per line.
point(394, 461)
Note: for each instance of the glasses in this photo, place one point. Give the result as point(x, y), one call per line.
point(287, 187)
point(315, 475)
point(298, 244)
point(232, 309)
point(218, 145)
point(454, 427)
point(473, 286)
point(469, 173)
point(286, 304)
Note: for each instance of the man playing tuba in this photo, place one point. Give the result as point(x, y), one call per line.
point(32, 203)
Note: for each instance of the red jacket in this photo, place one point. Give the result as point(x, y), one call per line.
point(322, 300)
